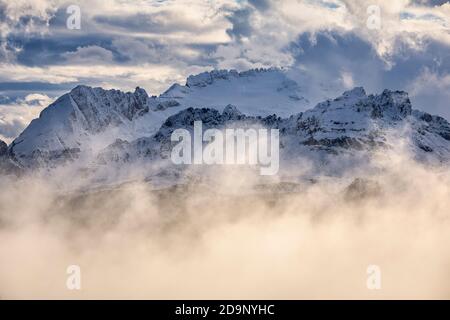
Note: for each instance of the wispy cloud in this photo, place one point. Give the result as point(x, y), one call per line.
point(18, 113)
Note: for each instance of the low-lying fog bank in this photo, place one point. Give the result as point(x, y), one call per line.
point(283, 241)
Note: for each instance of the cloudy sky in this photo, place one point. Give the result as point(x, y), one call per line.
point(326, 45)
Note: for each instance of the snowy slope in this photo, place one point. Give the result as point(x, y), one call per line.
point(255, 92)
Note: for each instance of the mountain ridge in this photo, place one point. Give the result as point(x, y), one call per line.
point(352, 121)
point(94, 127)
point(70, 123)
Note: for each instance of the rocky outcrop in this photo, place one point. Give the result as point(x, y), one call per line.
point(7, 165)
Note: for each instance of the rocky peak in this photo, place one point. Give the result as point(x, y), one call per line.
point(206, 78)
point(141, 95)
point(187, 117)
point(394, 104)
point(100, 108)
point(231, 112)
point(355, 92)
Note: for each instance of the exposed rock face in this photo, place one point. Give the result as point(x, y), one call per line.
point(96, 108)
point(7, 165)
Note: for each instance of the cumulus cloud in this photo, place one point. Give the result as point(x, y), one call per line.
point(37, 99)
point(402, 25)
point(22, 17)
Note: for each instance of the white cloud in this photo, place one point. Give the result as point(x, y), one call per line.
point(28, 17)
point(37, 99)
point(15, 117)
point(89, 55)
point(273, 32)
point(347, 80)
point(430, 86)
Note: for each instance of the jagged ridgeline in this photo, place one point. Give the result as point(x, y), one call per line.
point(93, 127)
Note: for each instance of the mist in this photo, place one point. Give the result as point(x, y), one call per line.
point(232, 236)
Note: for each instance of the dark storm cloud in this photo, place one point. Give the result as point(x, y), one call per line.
point(4, 99)
point(35, 86)
point(25, 22)
point(49, 50)
point(2, 12)
point(332, 53)
point(59, 19)
point(260, 4)
point(240, 20)
point(431, 2)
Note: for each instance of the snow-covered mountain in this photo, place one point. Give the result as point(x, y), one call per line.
point(85, 120)
point(73, 120)
point(349, 127)
point(96, 128)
